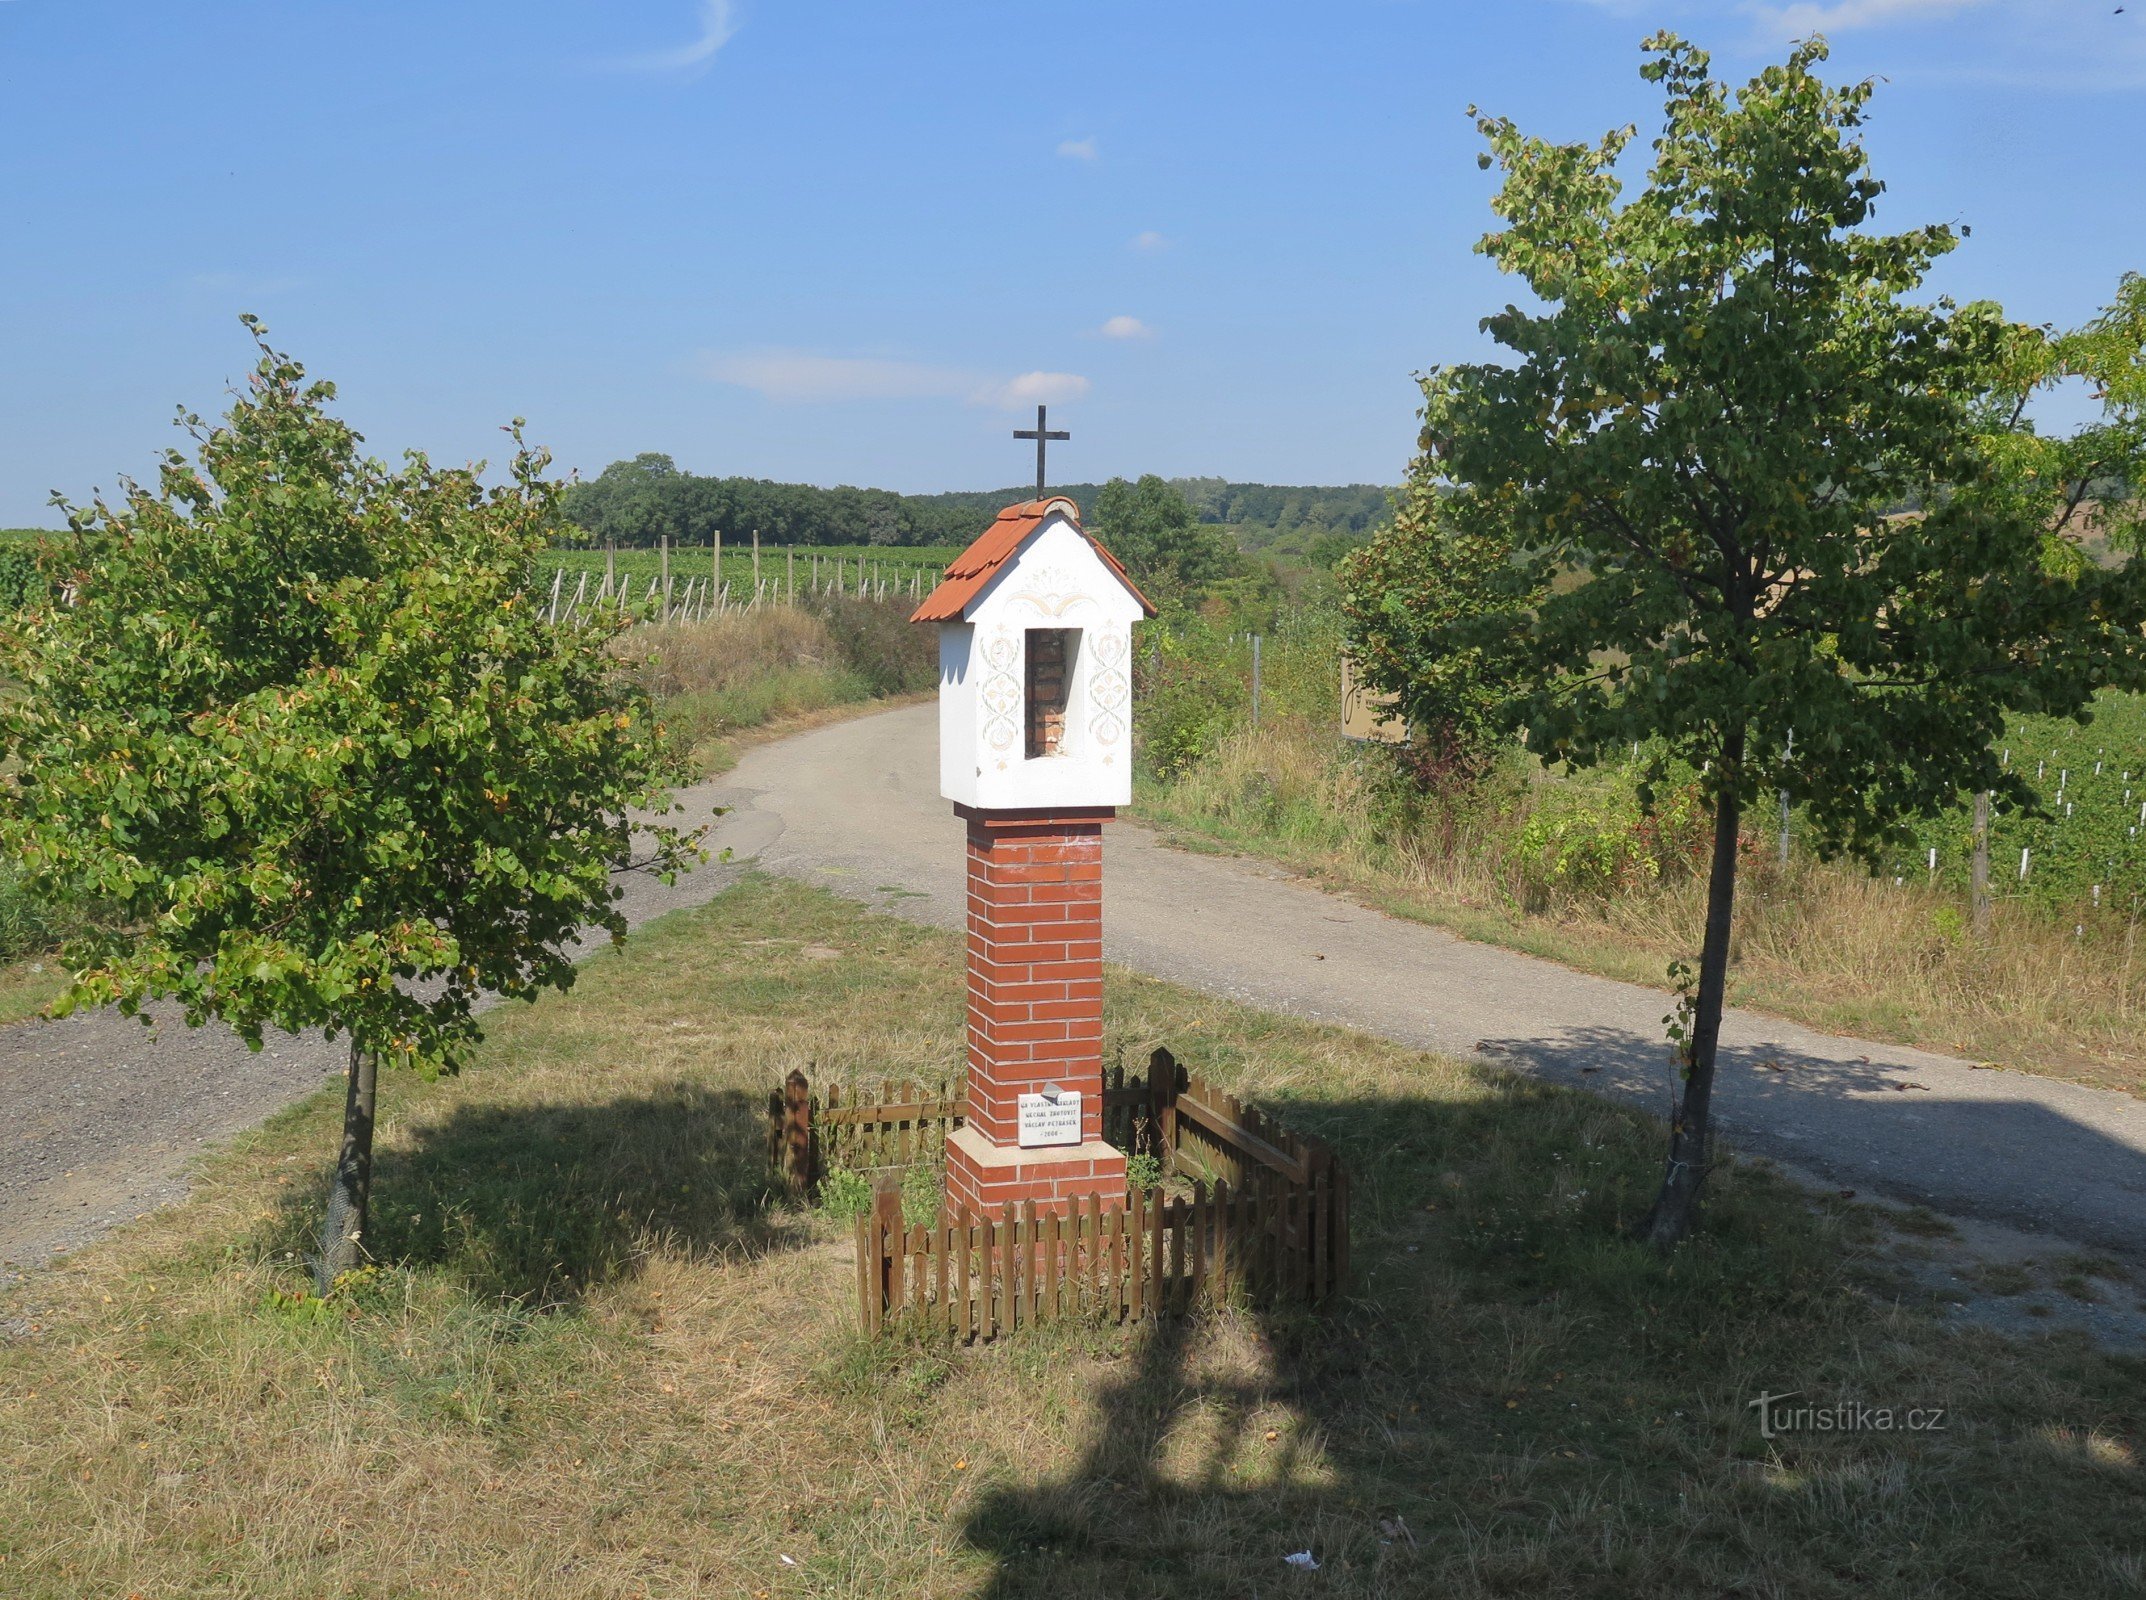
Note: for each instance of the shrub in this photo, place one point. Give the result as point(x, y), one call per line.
point(844, 1193)
point(1191, 692)
point(20, 581)
point(923, 1192)
point(1595, 843)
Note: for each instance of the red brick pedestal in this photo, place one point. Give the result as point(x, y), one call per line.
point(1035, 1009)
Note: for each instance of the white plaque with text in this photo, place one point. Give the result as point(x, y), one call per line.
point(1047, 1119)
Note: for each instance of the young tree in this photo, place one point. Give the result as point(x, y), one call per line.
point(1412, 594)
point(2095, 474)
point(1153, 529)
point(1670, 508)
point(304, 726)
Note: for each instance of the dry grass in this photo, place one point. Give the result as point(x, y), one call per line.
point(733, 679)
point(1825, 945)
point(742, 671)
point(728, 651)
point(597, 1360)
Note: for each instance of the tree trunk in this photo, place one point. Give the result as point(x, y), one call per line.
point(342, 1238)
point(1676, 1207)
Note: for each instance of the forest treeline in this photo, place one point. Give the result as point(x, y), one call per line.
point(644, 500)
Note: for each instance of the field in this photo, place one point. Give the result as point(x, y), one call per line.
point(596, 1359)
point(2087, 857)
point(917, 565)
point(826, 565)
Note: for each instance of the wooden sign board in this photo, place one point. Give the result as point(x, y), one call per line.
point(1369, 713)
point(1047, 1119)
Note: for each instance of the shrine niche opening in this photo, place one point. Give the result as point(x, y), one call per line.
point(1052, 656)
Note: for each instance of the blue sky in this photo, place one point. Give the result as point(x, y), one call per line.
point(841, 242)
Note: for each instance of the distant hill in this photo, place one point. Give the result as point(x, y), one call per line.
point(639, 502)
point(1259, 512)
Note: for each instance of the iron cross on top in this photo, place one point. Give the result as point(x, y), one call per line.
point(1042, 435)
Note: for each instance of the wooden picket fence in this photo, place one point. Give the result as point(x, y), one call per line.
point(1266, 1218)
point(977, 1278)
point(876, 1127)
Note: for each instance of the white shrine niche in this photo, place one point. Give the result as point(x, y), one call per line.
point(1035, 678)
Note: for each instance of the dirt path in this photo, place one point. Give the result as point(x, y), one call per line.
point(98, 1119)
point(857, 807)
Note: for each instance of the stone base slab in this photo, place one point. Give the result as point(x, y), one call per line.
point(984, 1177)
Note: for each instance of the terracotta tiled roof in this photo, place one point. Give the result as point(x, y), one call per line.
point(976, 566)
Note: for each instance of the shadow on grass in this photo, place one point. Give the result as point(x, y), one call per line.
point(1514, 1398)
point(539, 1203)
point(2017, 1158)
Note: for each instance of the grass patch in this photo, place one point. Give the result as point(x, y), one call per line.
point(31, 930)
point(27, 987)
point(598, 1358)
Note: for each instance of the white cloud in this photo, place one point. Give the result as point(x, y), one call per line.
point(718, 21)
point(1035, 388)
point(1149, 241)
point(1078, 149)
point(799, 376)
point(1126, 328)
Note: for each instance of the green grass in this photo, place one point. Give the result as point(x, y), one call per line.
point(598, 1358)
point(27, 988)
point(31, 929)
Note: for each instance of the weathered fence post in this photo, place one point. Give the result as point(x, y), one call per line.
point(1165, 1079)
point(791, 1148)
point(1979, 888)
point(886, 1236)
